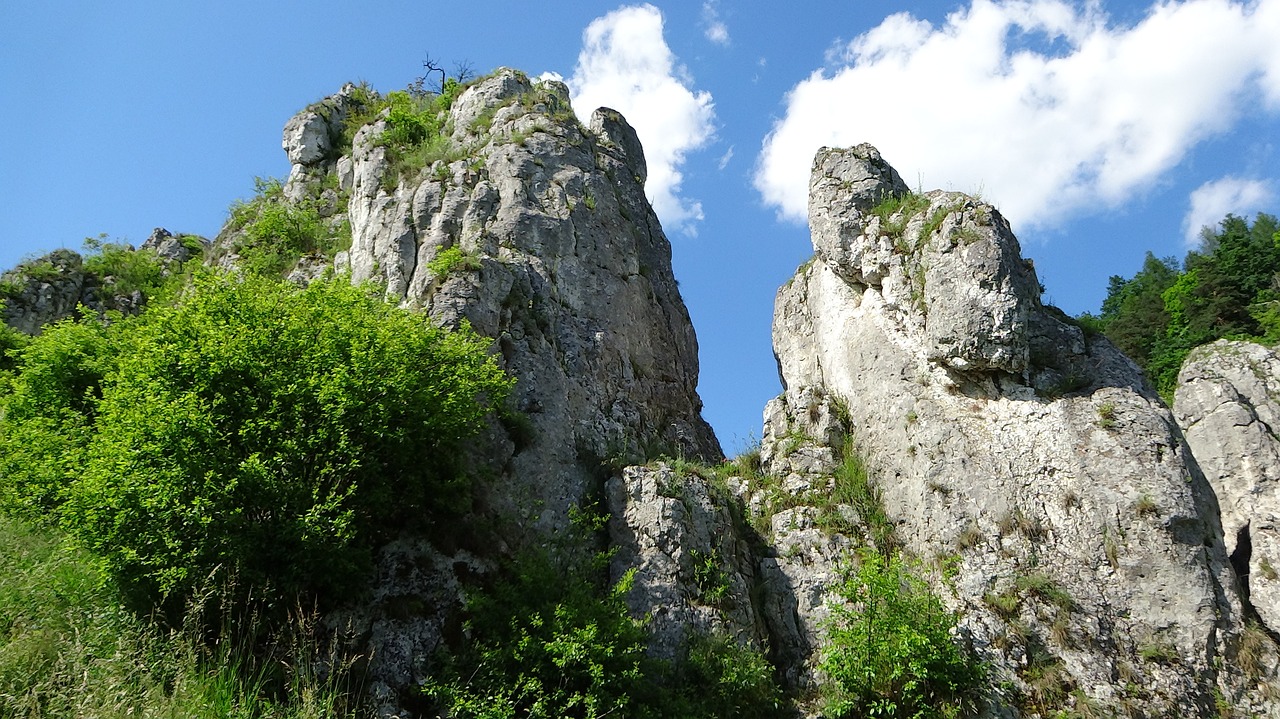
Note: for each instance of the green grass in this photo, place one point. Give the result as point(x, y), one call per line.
point(451, 260)
point(896, 211)
point(68, 649)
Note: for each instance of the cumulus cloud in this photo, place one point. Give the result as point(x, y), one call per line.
point(1046, 105)
point(1213, 200)
point(625, 64)
point(716, 31)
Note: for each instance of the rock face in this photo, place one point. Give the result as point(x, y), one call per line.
point(50, 288)
point(1228, 404)
point(311, 139)
point(1006, 442)
point(694, 567)
point(535, 231)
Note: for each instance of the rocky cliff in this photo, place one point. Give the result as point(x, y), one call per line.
point(933, 409)
point(534, 229)
point(50, 288)
point(1228, 404)
point(1082, 542)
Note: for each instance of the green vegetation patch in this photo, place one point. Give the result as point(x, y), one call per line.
point(890, 650)
point(274, 232)
point(128, 270)
point(554, 639)
point(253, 432)
point(416, 135)
point(1224, 289)
point(68, 649)
point(895, 211)
point(451, 260)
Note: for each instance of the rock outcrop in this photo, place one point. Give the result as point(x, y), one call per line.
point(1228, 404)
point(51, 288)
point(533, 230)
point(932, 407)
point(1007, 444)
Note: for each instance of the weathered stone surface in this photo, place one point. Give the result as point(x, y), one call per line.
point(694, 570)
point(540, 237)
point(999, 434)
point(1228, 404)
point(50, 288)
point(563, 263)
point(167, 246)
point(310, 139)
point(843, 187)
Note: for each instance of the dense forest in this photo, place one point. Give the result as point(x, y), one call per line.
point(1226, 288)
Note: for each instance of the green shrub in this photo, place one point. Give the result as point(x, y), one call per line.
point(545, 647)
point(11, 344)
point(47, 419)
point(42, 270)
point(127, 270)
point(890, 650)
point(11, 286)
point(415, 136)
point(555, 640)
point(718, 677)
point(452, 259)
point(253, 430)
point(275, 232)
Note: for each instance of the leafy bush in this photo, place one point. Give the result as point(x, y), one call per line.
point(276, 232)
point(543, 649)
point(128, 270)
point(556, 641)
point(11, 342)
point(890, 650)
point(415, 136)
point(11, 286)
point(452, 259)
point(253, 430)
point(47, 421)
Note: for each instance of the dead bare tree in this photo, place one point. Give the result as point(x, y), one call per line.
point(419, 86)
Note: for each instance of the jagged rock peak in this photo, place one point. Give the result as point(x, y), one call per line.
point(536, 230)
point(1008, 443)
point(533, 229)
point(853, 178)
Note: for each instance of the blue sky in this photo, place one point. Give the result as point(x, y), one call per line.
point(1102, 129)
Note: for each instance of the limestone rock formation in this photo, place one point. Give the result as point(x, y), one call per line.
point(694, 569)
point(1088, 560)
point(1228, 404)
point(50, 288)
point(311, 138)
point(535, 231)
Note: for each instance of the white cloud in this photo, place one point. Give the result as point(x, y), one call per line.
point(725, 158)
point(1043, 103)
point(716, 31)
point(1212, 201)
point(625, 64)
